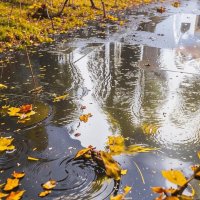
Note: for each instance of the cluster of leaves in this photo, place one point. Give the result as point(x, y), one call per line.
point(178, 178)
point(11, 184)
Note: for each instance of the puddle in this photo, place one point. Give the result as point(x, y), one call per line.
point(142, 88)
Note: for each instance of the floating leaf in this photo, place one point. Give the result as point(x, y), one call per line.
point(60, 98)
point(149, 128)
point(5, 144)
point(161, 9)
point(158, 190)
point(3, 195)
point(139, 149)
point(11, 184)
point(84, 118)
point(18, 174)
point(32, 158)
point(44, 193)
point(26, 108)
point(13, 112)
point(116, 144)
point(82, 152)
point(174, 176)
point(2, 86)
point(49, 184)
point(124, 171)
point(111, 166)
point(15, 195)
point(126, 189)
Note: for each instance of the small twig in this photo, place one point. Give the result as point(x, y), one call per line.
point(142, 177)
point(104, 9)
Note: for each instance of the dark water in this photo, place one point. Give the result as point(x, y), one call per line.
point(141, 81)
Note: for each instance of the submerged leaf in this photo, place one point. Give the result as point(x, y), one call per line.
point(44, 193)
point(11, 184)
point(174, 176)
point(15, 195)
point(18, 174)
point(112, 168)
point(5, 144)
point(60, 98)
point(49, 185)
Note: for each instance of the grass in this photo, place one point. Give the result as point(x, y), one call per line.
point(18, 28)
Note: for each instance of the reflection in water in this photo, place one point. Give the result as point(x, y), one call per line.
point(124, 87)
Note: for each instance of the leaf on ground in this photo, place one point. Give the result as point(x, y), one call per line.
point(32, 158)
point(11, 184)
point(2, 86)
point(5, 144)
point(127, 189)
point(174, 176)
point(60, 98)
point(85, 117)
point(44, 193)
point(18, 174)
point(82, 153)
point(49, 185)
point(112, 168)
point(15, 195)
point(3, 195)
point(184, 197)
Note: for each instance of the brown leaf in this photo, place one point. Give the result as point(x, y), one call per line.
point(11, 184)
point(161, 9)
point(174, 176)
point(49, 185)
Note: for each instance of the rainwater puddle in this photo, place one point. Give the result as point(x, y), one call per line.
point(140, 81)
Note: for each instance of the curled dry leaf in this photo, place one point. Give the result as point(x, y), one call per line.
point(44, 193)
point(18, 174)
point(174, 176)
point(49, 185)
point(5, 144)
point(15, 195)
point(11, 184)
point(85, 117)
point(124, 171)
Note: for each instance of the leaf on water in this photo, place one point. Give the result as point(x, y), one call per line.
point(112, 168)
point(3, 195)
point(149, 128)
point(32, 158)
point(18, 174)
point(82, 153)
point(26, 108)
point(11, 184)
point(126, 189)
point(5, 144)
point(174, 176)
point(13, 112)
point(49, 185)
point(116, 144)
point(85, 117)
point(139, 149)
point(172, 198)
point(2, 86)
point(15, 195)
point(60, 98)
point(176, 4)
point(44, 193)
point(124, 171)
point(161, 9)
point(184, 197)
point(158, 190)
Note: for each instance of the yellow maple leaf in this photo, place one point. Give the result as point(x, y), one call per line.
point(13, 111)
point(44, 193)
point(5, 144)
point(60, 98)
point(3, 195)
point(49, 185)
point(11, 184)
point(158, 190)
point(85, 117)
point(113, 169)
point(124, 172)
point(2, 86)
point(174, 176)
point(15, 195)
point(18, 174)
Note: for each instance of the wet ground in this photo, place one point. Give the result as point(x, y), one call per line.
point(141, 80)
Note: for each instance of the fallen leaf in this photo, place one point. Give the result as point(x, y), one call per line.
point(49, 184)
point(32, 158)
point(82, 152)
point(139, 149)
point(85, 117)
point(161, 9)
point(122, 196)
point(44, 193)
point(11, 184)
point(176, 4)
point(2, 86)
point(26, 108)
point(149, 128)
point(60, 98)
point(3, 195)
point(158, 190)
point(174, 176)
point(5, 144)
point(18, 174)
point(13, 112)
point(124, 172)
point(15, 195)
point(112, 168)
point(127, 189)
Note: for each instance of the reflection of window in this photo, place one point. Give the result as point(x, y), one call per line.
point(185, 27)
